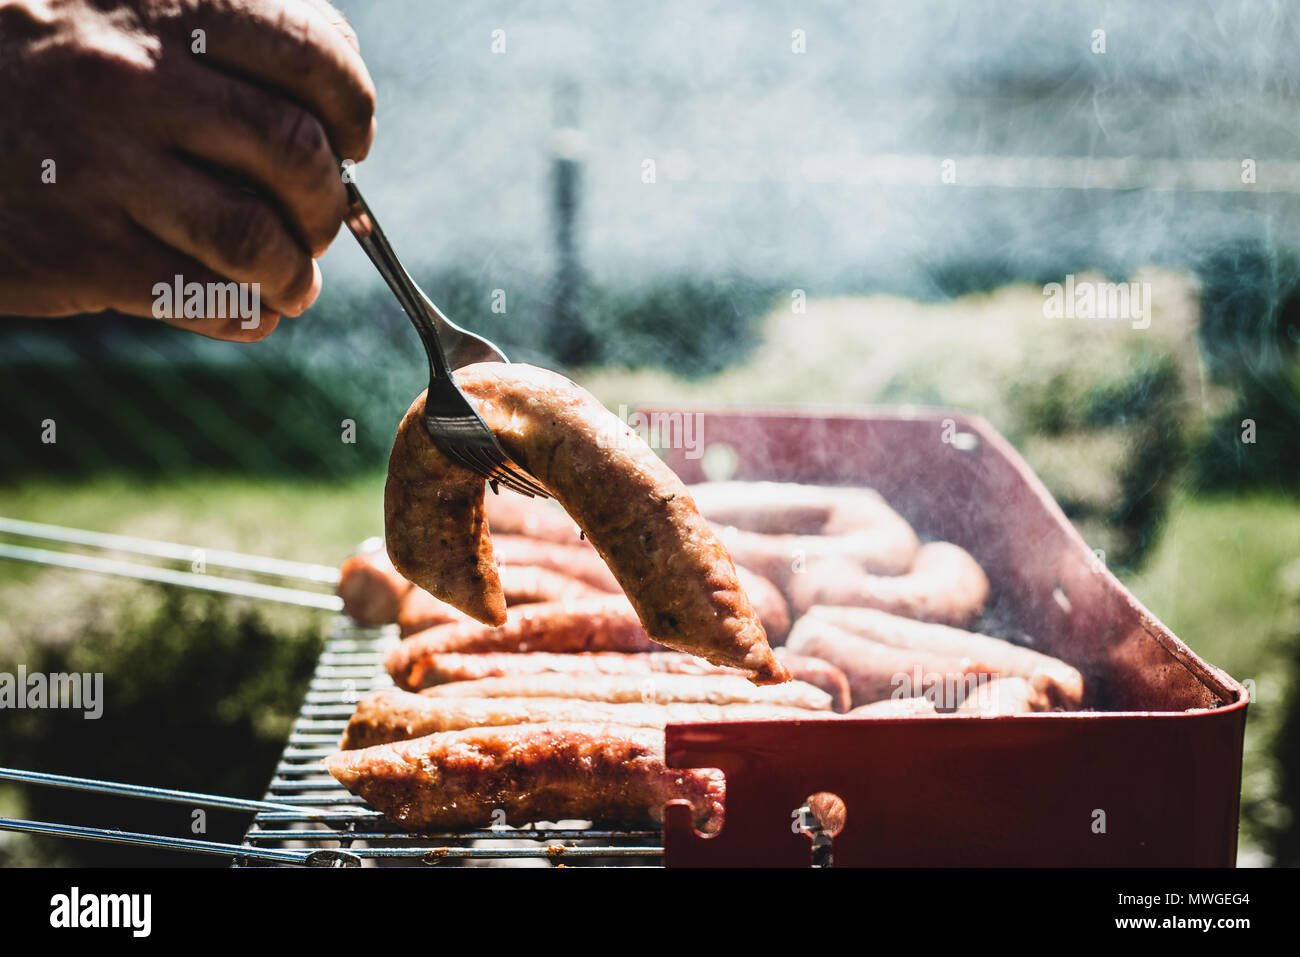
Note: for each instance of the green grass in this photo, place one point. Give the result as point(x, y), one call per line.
point(298, 519)
point(1214, 577)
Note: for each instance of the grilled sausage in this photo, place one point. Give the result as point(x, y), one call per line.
point(777, 528)
point(1000, 696)
point(610, 774)
point(945, 585)
point(420, 611)
point(768, 603)
point(876, 671)
point(371, 588)
point(1005, 696)
point(393, 715)
point(634, 510)
point(604, 623)
point(577, 561)
point(894, 708)
point(527, 585)
point(1062, 684)
point(630, 689)
point(521, 584)
point(535, 518)
point(375, 594)
point(820, 674)
point(440, 668)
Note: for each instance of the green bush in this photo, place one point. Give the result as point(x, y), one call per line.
point(1250, 337)
point(691, 327)
point(199, 693)
point(1144, 397)
point(132, 397)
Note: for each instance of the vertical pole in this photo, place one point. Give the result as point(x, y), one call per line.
point(570, 339)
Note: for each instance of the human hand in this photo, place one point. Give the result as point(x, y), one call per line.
point(141, 140)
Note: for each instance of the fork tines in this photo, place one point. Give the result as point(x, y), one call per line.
point(467, 442)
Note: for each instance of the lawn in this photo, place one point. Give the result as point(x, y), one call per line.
point(1215, 578)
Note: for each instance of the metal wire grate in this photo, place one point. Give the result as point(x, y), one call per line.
point(307, 817)
point(350, 833)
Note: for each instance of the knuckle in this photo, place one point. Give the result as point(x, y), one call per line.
point(303, 143)
point(246, 232)
point(102, 66)
point(366, 101)
point(365, 114)
point(349, 35)
point(357, 123)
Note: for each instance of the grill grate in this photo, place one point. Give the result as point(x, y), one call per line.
point(343, 826)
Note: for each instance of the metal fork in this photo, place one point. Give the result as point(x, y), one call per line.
point(453, 424)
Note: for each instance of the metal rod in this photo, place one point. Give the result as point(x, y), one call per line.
point(189, 845)
point(167, 576)
point(552, 852)
point(306, 801)
point(147, 793)
point(327, 785)
point(352, 816)
point(542, 835)
point(281, 568)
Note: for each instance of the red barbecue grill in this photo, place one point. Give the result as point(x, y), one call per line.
point(1157, 764)
point(1150, 776)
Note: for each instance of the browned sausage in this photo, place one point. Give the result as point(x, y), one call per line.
point(577, 561)
point(420, 611)
point(1063, 684)
point(1005, 696)
point(820, 674)
point(522, 585)
point(637, 514)
point(532, 518)
point(608, 773)
point(778, 529)
point(894, 708)
point(393, 715)
point(526, 584)
point(996, 697)
point(877, 671)
point(769, 604)
point(443, 667)
point(945, 585)
point(605, 623)
point(646, 689)
point(371, 588)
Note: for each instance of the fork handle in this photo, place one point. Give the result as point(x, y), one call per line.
point(363, 225)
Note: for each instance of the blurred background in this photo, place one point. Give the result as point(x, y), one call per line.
point(847, 203)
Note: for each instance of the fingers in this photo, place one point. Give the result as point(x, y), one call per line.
point(150, 290)
point(233, 329)
point(234, 233)
point(271, 142)
point(292, 45)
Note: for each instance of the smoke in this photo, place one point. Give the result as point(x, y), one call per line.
point(824, 169)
